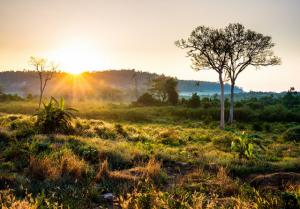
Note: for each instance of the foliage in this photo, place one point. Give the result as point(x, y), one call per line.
point(55, 118)
point(244, 146)
point(9, 97)
point(147, 99)
point(194, 101)
point(172, 157)
point(165, 89)
point(292, 134)
point(291, 99)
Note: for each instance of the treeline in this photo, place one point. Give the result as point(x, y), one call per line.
point(112, 85)
point(279, 108)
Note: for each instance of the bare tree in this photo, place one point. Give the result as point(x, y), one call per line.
point(208, 49)
point(45, 72)
point(247, 48)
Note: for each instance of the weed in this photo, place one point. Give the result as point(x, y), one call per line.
point(55, 118)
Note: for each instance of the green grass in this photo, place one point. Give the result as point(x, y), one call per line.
point(153, 158)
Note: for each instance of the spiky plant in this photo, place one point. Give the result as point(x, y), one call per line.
point(55, 118)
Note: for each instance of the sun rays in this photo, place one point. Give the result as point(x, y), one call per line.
point(75, 87)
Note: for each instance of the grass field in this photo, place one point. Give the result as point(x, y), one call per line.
point(144, 157)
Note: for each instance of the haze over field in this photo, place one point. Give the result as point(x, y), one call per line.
point(96, 34)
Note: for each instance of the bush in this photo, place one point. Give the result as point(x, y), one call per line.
point(147, 100)
point(244, 146)
point(194, 101)
point(55, 118)
point(4, 136)
point(17, 152)
point(257, 127)
point(292, 134)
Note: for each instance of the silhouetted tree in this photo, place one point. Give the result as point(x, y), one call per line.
point(158, 88)
point(165, 89)
point(291, 99)
point(171, 88)
point(208, 49)
point(247, 48)
point(147, 99)
point(194, 101)
point(45, 72)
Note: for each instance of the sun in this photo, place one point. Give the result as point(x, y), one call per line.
point(76, 57)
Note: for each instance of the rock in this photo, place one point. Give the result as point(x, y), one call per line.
point(108, 197)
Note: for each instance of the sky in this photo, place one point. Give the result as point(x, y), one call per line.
point(140, 34)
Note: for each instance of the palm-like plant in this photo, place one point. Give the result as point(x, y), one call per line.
point(55, 118)
point(244, 146)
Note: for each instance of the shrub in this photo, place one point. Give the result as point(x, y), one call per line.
point(147, 100)
point(55, 118)
point(4, 136)
point(244, 114)
point(244, 146)
point(257, 127)
point(120, 130)
point(223, 142)
point(267, 127)
point(17, 152)
point(194, 101)
point(104, 132)
point(292, 134)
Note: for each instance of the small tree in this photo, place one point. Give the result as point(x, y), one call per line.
point(171, 89)
point(45, 72)
point(247, 48)
point(208, 49)
point(165, 89)
point(194, 101)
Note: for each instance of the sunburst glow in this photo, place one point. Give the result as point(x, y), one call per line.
point(76, 57)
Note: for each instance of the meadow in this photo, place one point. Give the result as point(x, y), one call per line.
point(128, 156)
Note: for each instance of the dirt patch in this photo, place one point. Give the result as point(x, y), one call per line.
point(278, 179)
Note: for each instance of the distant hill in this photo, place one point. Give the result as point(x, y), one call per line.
point(100, 84)
point(187, 87)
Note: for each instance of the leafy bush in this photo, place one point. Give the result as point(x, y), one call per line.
point(244, 146)
point(17, 152)
point(147, 100)
point(4, 136)
point(55, 118)
point(292, 134)
point(257, 127)
point(194, 101)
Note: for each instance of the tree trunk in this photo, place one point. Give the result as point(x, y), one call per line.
point(41, 90)
point(222, 98)
point(231, 103)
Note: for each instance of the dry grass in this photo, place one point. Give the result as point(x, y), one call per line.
point(105, 174)
point(9, 201)
point(103, 171)
point(67, 164)
point(152, 170)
